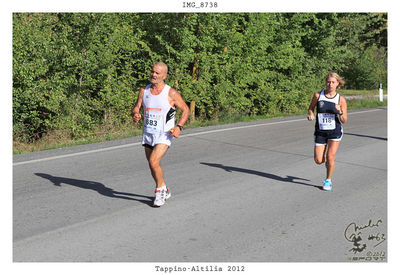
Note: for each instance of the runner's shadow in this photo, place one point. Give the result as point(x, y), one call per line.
point(360, 135)
point(96, 186)
point(261, 174)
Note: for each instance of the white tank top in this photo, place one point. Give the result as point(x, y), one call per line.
point(159, 116)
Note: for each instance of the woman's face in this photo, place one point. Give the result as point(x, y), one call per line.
point(331, 84)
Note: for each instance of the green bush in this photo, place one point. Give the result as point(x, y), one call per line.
point(76, 72)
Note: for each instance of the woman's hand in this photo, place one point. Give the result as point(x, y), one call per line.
point(310, 116)
point(338, 108)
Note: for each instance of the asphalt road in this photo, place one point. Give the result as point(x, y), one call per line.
point(244, 192)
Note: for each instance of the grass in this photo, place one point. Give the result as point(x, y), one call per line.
point(361, 92)
point(364, 103)
point(59, 139)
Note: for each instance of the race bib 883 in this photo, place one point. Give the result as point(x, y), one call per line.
point(153, 121)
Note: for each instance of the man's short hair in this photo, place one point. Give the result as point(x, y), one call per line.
point(163, 65)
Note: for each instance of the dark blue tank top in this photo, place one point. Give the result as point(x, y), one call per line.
point(327, 118)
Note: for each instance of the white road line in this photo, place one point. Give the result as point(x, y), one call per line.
point(77, 154)
point(183, 136)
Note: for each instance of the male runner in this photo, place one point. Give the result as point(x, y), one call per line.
point(159, 103)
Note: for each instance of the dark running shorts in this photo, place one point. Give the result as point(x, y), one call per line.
point(322, 139)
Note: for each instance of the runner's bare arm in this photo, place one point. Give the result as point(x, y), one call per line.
point(136, 109)
point(343, 109)
point(177, 102)
point(311, 108)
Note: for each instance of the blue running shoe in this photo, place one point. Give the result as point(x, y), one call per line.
point(327, 185)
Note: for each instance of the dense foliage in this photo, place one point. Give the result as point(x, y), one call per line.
point(76, 71)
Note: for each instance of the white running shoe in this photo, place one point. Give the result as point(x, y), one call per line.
point(161, 197)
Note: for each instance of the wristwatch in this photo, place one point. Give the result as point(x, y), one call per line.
point(180, 127)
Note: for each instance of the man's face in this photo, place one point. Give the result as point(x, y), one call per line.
point(157, 75)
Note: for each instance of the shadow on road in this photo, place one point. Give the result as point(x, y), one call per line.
point(359, 135)
point(261, 174)
point(96, 186)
